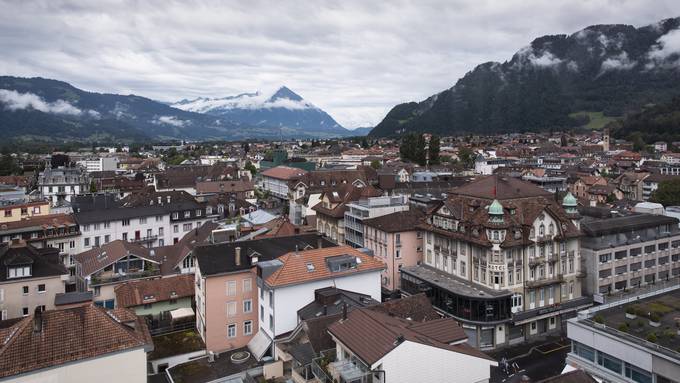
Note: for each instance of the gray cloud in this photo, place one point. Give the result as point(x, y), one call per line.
point(354, 59)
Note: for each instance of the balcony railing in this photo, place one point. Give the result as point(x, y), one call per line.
point(149, 238)
point(101, 280)
point(545, 281)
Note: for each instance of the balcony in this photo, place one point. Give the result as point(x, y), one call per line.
point(114, 278)
point(545, 281)
point(146, 239)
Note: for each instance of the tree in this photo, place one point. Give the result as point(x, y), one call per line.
point(364, 143)
point(668, 193)
point(466, 156)
point(250, 167)
point(413, 148)
point(93, 187)
point(564, 141)
point(8, 166)
point(375, 164)
point(433, 150)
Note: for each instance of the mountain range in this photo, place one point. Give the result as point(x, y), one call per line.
point(50, 110)
point(284, 108)
point(605, 70)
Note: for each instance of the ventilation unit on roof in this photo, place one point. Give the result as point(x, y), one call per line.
point(310, 267)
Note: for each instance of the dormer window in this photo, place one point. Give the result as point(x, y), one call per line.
point(19, 272)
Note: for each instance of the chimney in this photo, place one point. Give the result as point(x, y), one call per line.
point(319, 243)
point(344, 311)
point(237, 256)
point(37, 320)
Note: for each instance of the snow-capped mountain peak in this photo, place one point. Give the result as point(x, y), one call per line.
point(281, 108)
point(282, 98)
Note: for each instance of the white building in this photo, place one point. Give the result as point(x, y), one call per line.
point(99, 164)
point(62, 184)
point(376, 347)
point(287, 284)
point(369, 208)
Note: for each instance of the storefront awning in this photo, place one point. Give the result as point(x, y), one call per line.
point(259, 344)
point(180, 313)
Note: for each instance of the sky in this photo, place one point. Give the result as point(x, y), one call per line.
point(355, 59)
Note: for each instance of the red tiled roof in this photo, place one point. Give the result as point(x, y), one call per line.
point(295, 266)
point(133, 293)
point(69, 335)
point(284, 173)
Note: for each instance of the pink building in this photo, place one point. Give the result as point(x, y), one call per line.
point(227, 314)
point(396, 241)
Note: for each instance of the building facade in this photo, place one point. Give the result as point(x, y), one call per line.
point(503, 257)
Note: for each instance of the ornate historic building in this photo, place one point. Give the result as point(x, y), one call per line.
point(502, 256)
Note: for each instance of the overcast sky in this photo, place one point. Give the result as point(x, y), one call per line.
point(354, 59)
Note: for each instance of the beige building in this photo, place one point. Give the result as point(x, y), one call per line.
point(13, 213)
point(330, 212)
point(29, 279)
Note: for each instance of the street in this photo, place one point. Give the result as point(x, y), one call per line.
point(543, 361)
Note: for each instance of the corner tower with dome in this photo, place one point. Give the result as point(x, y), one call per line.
point(502, 256)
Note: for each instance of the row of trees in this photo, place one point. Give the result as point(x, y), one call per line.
point(415, 148)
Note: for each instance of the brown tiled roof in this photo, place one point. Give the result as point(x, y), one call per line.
point(14, 180)
point(519, 213)
point(224, 186)
point(295, 266)
point(182, 176)
point(69, 335)
point(284, 173)
point(414, 307)
point(341, 195)
point(396, 222)
point(46, 221)
point(98, 258)
point(172, 255)
point(371, 335)
point(501, 188)
point(133, 293)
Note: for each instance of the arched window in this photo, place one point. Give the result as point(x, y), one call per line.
point(541, 230)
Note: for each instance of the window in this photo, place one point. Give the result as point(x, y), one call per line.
point(96, 226)
point(41, 288)
point(247, 306)
point(72, 245)
point(24, 290)
point(24, 211)
point(247, 285)
point(605, 257)
point(175, 215)
point(97, 291)
point(142, 221)
point(107, 238)
point(125, 236)
point(397, 253)
point(18, 272)
point(231, 331)
point(24, 311)
point(247, 327)
point(187, 226)
point(126, 222)
point(107, 224)
point(231, 309)
point(86, 242)
point(261, 313)
point(187, 214)
point(231, 288)
point(271, 299)
point(175, 228)
point(584, 351)
point(271, 322)
point(609, 362)
point(160, 231)
point(36, 210)
point(199, 213)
